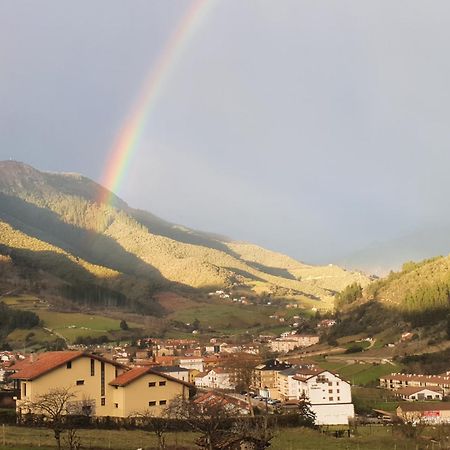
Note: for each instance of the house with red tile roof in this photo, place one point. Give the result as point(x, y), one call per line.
point(146, 389)
point(109, 388)
point(419, 393)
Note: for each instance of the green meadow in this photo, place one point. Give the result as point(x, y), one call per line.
point(365, 438)
point(228, 318)
point(69, 325)
point(361, 374)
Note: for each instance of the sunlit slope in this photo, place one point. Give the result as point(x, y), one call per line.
point(422, 283)
point(63, 210)
point(31, 264)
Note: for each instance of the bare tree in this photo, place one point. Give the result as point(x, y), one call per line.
point(156, 424)
point(242, 372)
point(251, 434)
point(241, 369)
point(209, 418)
point(72, 439)
point(54, 406)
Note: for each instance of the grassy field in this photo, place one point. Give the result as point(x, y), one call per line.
point(366, 438)
point(72, 325)
point(361, 374)
point(226, 317)
point(67, 324)
point(367, 399)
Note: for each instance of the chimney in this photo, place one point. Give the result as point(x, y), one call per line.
point(32, 358)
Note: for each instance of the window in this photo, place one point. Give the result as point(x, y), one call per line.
point(80, 382)
point(102, 378)
point(93, 367)
point(69, 365)
point(330, 399)
point(163, 402)
point(337, 390)
point(339, 399)
point(103, 402)
point(24, 389)
point(330, 383)
point(116, 405)
point(337, 383)
point(152, 384)
point(162, 383)
point(330, 391)
point(151, 403)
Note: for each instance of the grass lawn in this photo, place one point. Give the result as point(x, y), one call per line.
point(70, 325)
point(226, 317)
point(360, 374)
point(367, 399)
point(366, 438)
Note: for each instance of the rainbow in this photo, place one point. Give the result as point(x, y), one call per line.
point(131, 132)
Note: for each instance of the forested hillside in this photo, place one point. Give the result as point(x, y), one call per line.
point(113, 254)
point(416, 296)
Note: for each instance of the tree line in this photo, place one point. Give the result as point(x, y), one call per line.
point(10, 319)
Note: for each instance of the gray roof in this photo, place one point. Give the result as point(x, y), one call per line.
point(169, 369)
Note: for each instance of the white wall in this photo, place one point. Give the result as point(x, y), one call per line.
point(333, 414)
point(330, 398)
point(191, 364)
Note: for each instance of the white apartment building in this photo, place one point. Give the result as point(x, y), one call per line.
point(214, 379)
point(191, 363)
point(329, 395)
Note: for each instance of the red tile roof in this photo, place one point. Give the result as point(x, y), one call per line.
point(414, 390)
point(42, 363)
point(128, 377)
point(429, 406)
point(137, 372)
point(212, 398)
point(445, 380)
point(36, 365)
point(167, 360)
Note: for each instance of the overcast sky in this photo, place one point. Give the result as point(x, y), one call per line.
point(310, 127)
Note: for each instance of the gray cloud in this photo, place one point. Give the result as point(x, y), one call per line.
point(315, 128)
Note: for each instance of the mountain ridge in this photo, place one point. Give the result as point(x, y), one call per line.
point(64, 210)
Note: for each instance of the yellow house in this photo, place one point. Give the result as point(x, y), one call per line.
point(143, 389)
point(106, 387)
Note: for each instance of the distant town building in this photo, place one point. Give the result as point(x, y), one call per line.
point(430, 412)
point(419, 393)
point(215, 379)
point(396, 381)
point(289, 342)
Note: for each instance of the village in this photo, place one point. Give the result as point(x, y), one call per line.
point(123, 380)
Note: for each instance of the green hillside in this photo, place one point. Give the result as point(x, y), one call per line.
point(55, 222)
point(414, 299)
